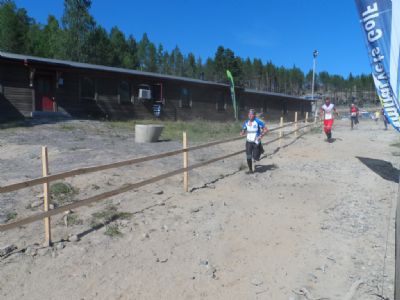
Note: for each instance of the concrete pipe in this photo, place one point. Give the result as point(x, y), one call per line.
point(147, 133)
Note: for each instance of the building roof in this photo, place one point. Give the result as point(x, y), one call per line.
point(78, 65)
point(252, 91)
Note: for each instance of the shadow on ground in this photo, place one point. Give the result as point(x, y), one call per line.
point(264, 168)
point(383, 168)
point(210, 184)
point(276, 150)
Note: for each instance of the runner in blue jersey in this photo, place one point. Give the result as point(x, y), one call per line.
point(254, 129)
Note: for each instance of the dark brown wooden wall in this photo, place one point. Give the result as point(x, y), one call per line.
point(207, 102)
point(15, 94)
point(67, 95)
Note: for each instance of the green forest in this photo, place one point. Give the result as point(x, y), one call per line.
point(78, 37)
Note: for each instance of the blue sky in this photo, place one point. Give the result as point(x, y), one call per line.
point(283, 31)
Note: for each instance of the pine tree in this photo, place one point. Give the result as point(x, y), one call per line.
point(53, 36)
point(131, 57)
point(151, 60)
point(78, 25)
point(160, 60)
point(14, 28)
point(143, 52)
point(190, 66)
point(209, 70)
point(100, 50)
point(118, 46)
point(37, 43)
point(166, 67)
point(79, 39)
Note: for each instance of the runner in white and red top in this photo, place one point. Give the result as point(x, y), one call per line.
point(327, 111)
point(353, 115)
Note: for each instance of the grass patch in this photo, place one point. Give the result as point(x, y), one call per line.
point(108, 215)
point(11, 216)
point(95, 187)
point(197, 130)
point(316, 130)
point(66, 127)
point(13, 124)
point(61, 188)
point(112, 231)
point(202, 130)
point(73, 219)
point(74, 148)
point(62, 192)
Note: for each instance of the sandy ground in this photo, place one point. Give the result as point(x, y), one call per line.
point(315, 219)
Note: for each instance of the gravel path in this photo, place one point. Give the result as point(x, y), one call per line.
point(315, 219)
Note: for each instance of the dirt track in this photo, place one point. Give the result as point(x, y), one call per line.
point(315, 218)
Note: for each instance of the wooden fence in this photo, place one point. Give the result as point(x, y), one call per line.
point(47, 178)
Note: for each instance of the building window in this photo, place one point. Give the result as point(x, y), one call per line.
point(265, 107)
point(241, 104)
point(185, 101)
point(285, 108)
point(124, 92)
point(221, 106)
point(87, 88)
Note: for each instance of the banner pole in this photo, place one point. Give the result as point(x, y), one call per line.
point(397, 246)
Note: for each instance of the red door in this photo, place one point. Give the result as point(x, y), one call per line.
point(44, 94)
point(47, 103)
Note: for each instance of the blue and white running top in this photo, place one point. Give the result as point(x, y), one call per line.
point(254, 130)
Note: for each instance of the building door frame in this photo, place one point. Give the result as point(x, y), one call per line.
point(44, 93)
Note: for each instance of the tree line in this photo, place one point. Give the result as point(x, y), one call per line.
point(78, 37)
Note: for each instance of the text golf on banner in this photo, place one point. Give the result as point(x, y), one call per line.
point(380, 21)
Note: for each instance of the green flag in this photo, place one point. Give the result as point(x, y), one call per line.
point(232, 83)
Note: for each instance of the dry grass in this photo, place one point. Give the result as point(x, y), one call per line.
point(108, 215)
point(112, 230)
point(197, 130)
point(62, 192)
point(397, 145)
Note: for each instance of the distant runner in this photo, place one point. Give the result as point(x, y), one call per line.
point(385, 119)
point(353, 115)
point(254, 129)
point(327, 111)
point(377, 115)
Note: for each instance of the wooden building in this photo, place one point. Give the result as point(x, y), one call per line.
point(33, 86)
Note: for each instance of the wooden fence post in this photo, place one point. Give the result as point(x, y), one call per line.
point(280, 132)
point(185, 163)
point(46, 196)
point(295, 123)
